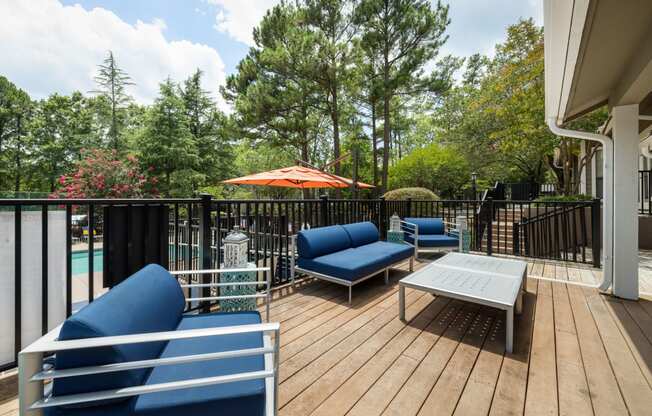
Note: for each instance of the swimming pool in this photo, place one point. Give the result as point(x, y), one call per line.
point(80, 261)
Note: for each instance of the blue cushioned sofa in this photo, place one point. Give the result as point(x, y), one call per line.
point(134, 351)
point(429, 235)
point(346, 254)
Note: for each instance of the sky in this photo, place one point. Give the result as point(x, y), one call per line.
point(53, 46)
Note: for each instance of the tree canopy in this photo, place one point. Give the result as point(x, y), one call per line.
point(356, 87)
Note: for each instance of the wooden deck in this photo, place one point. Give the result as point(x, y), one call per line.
point(576, 352)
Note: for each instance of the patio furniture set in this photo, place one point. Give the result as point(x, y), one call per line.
point(126, 351)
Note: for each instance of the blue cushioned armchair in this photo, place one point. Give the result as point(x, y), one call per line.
point(135, 351)
point(429, 235)
point(346, 254)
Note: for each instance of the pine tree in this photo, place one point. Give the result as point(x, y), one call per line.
point(407, 34)
point(166, 146)
point(112, 82)
point(208, 126)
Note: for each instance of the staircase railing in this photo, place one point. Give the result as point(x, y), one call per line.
point(560, 232)
point(486, 214)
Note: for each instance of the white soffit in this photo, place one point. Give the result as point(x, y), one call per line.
point(597, 52)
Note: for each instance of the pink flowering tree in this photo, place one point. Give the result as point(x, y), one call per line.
point(101, 174)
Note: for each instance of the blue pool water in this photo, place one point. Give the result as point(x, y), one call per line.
point(80, 261)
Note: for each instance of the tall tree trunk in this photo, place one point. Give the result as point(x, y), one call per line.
point(305, 156)
point(386, 126)
point(335, 116)
point(354, 182)
point(374, 143)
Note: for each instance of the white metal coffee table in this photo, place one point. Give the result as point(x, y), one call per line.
point(490, 281)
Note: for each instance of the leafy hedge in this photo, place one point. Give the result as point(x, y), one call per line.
point(564, 198)
point(413, 193)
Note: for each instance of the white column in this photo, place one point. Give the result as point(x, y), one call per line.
point(625, 241)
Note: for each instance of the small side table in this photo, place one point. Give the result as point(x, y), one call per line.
point(397, 237)
point(235, 305)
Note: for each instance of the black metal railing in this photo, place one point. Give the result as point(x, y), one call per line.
point(54, 241)
point(565, 231)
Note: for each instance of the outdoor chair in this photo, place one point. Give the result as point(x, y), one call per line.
point(428, 235)
point(346, 254)
point(134, 351)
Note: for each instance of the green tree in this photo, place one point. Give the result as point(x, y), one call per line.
point(495, 118)
point(60, 129)
point(274, 102)
point(407, 34)
point(331, 23)
point(15, 113)
point(209, 128)
point(165, 144)
point(112, 82)
point(438, 168)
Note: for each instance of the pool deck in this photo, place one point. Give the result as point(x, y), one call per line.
point(577, 351)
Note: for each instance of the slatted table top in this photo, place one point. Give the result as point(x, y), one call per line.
point(480, 279)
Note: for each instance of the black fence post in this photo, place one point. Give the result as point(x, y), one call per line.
point(516, 242)
point(382, 221)
point(596, 237)
point(490, 227)
point(323, 207)
point(409, 207)
point(205, 245)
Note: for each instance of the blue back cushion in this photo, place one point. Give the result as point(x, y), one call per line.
point(362, 233)
point(151, 300)
point(428, 225)
point(321, 241)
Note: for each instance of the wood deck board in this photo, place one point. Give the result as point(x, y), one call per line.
point(632, 383)
point(541, 395)
point(573, 391)
point(576, 351)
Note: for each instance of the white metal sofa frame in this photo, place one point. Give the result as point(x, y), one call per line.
point(32, 375)
point(413, 230)
point(294, 269)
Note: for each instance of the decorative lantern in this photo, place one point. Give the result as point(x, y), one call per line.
point(395, 234)
point(395, 223)
point(463, 234)
point(235, 257)
point(235, 249)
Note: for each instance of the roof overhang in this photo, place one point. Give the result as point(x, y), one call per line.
point(597, 53)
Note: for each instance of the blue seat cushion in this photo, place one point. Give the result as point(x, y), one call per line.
point(434, 240)
point(394, 252)
point(151, 300)
point(427, 225)
point(321, 241)
point(347, 264)
point(362, 233)
point(239, 398)
point(355, 263)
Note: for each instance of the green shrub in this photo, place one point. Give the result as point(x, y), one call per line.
point(564, 198)
point(436, 167)
point(422, 194)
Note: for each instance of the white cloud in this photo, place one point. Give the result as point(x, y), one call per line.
point(237, 18)
point(47, 47)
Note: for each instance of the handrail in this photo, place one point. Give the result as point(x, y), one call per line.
point(556, 210)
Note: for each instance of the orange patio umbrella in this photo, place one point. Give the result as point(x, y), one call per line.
point(296, 177)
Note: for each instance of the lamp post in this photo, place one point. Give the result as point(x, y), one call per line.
point(474, 178)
